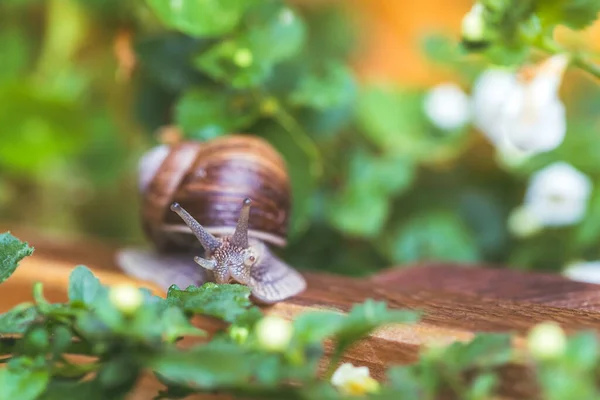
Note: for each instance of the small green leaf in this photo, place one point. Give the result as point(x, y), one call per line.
point(234, 62)
point(275, 20)
point(364, 318)
point(485, 350)
point(390, 119)
point(84, 286)
point(18, 319)
point(22, 384)
point(175, 325)
point(247, 59)
point(438, 235)
point(204, 114)
point(230, 302)
point(221, 365)
point(61, 339)
point(482, 387)
point(12, 251)
point(576, 14)
point(201, 18)
point(331, 87)
point(357, 212)
point(314, 327)
point(582, 351)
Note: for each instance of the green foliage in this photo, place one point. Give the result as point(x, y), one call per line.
point(12, 251)
point(200, 18)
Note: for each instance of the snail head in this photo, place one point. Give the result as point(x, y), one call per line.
point(230, 257)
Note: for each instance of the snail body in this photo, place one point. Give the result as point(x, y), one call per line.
point(211, 210)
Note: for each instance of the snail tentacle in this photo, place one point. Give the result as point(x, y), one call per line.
point(204, 263)
point(240, 236)
point(208, 241)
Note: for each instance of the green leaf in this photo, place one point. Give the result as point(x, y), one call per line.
point(485, 350)
point(234, 62)
point(247, 59)
point(582, 351)
point(364, 318)
point(200, 18)
point(12, 251)
point(389, 118)
point(388, 174)
point(18, 319)
point(204, 114)
point(332, 86)
point(208, 366)
point(358, 213)
point(576, 14)
point(22, 384)
point(229, 302)
point(16, 52)
point(437, 235)
point(314, 327)
point(274, 20)
point(175, 325)
point(84, 286)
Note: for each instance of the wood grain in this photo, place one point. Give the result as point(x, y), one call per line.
point(458, 301)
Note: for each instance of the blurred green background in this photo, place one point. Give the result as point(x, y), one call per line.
point(87, 86)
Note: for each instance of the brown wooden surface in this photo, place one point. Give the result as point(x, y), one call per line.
point(457, 301)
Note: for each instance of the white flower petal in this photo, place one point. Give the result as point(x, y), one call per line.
point(447, 106)
point(584, 271)
point(538, 131)
point(488, 99)
point(558, 194)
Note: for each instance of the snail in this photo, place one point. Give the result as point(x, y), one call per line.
point(211, 211)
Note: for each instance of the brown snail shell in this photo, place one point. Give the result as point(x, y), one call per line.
point(211, 209)
point(210, 180)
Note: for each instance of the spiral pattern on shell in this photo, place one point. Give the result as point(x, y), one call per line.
point(211, 179)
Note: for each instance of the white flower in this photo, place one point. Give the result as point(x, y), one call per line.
point(522, 108)
point(558, 195)
point(126, 298)
point(546, 340)
point(354, 380)
point(583, 271)
point(473, 24)
point(274, 333)
point(447, 106)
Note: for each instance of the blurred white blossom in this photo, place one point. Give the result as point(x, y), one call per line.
point(583, 271)
point(354, 380)
point(274, 333)
point(558, 195)
point(473, 24)
point(447, 106)
point(522, 108)
point(126, 298)
point(546, 340)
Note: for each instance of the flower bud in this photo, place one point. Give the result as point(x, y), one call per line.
point(126, 298)
point(274, 333)
point(473, 25)
point(238, 334)
point(546, 341)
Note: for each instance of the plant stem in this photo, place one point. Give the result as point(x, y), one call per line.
point(577, 59)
